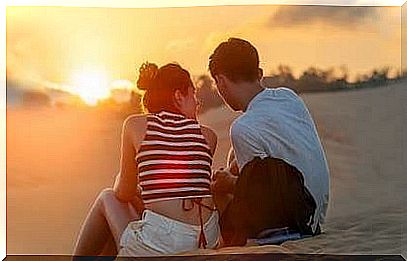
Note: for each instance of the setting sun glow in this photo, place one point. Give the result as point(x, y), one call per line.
point(91, 85)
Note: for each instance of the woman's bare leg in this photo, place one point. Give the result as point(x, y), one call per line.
point(107, 218)
point(110, 248)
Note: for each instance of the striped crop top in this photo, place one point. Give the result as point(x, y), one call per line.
point(174, 159)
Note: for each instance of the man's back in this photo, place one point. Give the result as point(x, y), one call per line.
point(277, 124)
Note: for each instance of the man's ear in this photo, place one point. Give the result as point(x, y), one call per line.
point(217, 79)
point(260, 73)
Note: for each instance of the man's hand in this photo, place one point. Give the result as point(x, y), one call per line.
point(232, 163)
point(223, 181)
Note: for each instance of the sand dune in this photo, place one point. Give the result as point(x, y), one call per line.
point(57, 163)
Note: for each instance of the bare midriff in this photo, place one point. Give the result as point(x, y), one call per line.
point(174, 209)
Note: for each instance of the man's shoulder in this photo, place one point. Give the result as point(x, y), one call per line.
point(286, 91)
point(290, 101)
point(277, 95)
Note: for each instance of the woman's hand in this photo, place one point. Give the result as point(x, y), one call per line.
point(137, 202)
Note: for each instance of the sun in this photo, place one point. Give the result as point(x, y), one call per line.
point(91, 85)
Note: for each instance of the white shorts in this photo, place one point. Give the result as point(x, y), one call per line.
point(156, 234)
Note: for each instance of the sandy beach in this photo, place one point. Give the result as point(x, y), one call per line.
point(58, 161)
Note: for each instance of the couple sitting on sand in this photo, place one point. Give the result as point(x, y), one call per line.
point(166, 200)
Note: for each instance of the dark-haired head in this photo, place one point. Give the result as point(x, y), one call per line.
point(168, 88)
point(234, 65)
point(236, 59)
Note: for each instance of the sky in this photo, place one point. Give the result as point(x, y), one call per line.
point(174, 3)
point(62, 46)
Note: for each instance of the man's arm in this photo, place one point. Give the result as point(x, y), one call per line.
point(223, 186)
point(246, 142)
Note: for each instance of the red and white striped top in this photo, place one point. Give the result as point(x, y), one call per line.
point(174, 159)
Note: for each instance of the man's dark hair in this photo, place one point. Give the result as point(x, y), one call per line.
point(237, 59)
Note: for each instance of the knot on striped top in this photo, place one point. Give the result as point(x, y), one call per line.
point(174, 159)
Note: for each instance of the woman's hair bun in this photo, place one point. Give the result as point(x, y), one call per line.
point(147, 74)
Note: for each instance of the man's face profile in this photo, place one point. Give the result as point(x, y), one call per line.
point(225, 89)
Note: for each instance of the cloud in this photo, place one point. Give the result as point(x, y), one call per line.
point(348, 17)
point(180, 44)
point(23, 54)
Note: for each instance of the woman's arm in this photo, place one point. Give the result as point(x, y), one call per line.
point(126, 182)
point(210, 137)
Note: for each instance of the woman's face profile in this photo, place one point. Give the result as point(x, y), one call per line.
point(188, 104)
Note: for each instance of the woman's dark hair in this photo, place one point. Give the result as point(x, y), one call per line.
point(160, 85)
point(237, 59)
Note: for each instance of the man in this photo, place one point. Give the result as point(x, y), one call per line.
point(283, 178)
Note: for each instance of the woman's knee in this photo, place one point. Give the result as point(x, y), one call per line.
point(107, 192)
point(106, 195)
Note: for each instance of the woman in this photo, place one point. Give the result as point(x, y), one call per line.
point(165, 167)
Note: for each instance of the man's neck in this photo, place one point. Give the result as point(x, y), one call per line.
point(250, 90)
